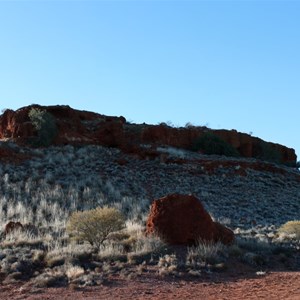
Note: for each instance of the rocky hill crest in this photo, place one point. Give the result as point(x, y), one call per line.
point(82, 127)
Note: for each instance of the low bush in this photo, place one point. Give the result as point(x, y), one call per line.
point(167, 265)
point(73, 272)
point(95, 225)
point(210, 143)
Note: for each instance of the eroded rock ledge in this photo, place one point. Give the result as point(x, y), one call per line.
point(83, 127)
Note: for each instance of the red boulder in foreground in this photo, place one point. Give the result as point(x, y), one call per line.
point(223, 234)
point(182, 220)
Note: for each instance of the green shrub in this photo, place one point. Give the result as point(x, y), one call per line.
point(44, 124)
point(95, 225)
point(209, 143)
point(291, 227)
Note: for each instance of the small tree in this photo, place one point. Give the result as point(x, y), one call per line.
point(95, 225)
point(45, 125)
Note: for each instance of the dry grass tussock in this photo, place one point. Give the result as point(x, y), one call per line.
point(73, 272)
point(291, 228)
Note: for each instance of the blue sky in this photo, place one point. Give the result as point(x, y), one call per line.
point(225, 64)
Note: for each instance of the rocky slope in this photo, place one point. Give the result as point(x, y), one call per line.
point(236, 192)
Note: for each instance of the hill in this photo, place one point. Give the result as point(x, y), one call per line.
point(81, 127)
point(94, 160)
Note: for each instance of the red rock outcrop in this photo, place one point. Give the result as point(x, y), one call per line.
point(74, 126)
point(182, 220)
point(245, 144)
point(165, 135)
point(12, 226)
point(83, 127)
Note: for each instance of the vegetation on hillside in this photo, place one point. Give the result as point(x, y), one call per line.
point(44, 124)
point(291, 228)
point(95, 225)
point(210, 143)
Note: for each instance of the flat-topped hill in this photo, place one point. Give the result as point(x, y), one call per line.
point(82, 127)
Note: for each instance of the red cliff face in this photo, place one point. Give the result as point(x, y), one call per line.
point(175, 137)
point(15, 124)
point(249, 146)
point(82, 127)
point(246, 145)
point(74, 126)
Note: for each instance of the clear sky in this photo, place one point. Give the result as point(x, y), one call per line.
point(224, 64)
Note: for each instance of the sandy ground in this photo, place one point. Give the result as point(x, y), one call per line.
point(277, 285)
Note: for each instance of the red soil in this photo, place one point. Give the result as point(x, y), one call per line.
point(277, 285)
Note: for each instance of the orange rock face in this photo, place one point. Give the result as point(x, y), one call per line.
point(182, 220)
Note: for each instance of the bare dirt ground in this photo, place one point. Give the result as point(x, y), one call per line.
point(274, 285)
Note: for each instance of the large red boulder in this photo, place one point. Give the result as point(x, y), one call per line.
point(223, 234)
point(182, 220)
